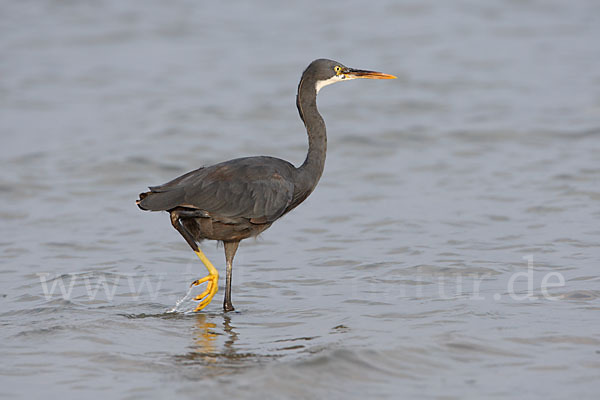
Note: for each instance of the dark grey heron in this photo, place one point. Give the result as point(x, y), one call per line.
point(241, 198)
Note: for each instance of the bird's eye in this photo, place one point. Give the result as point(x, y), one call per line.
point(337, 69)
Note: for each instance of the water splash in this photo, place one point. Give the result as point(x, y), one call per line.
point(184, 305)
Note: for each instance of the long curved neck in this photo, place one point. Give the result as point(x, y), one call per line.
point(306, 101)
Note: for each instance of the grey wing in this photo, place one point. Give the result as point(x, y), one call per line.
point(262, 200)
point(258, 189)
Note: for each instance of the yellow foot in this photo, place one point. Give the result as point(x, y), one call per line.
point(212, 286)
point(212, 283)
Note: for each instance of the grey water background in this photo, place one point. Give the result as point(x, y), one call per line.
point(450, 251)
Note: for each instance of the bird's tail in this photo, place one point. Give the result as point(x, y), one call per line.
point(140, 201)
point(158, 199)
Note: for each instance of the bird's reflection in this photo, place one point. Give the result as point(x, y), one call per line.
point(205, 337)
point(207, 333)
point(231, 333)
point(215, 345)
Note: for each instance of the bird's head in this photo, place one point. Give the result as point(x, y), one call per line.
point(325, 72)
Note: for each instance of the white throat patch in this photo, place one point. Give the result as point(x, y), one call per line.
point(321, 84)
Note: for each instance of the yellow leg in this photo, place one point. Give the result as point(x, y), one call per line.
point(212, 284)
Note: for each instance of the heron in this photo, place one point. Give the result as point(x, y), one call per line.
point(240, 198)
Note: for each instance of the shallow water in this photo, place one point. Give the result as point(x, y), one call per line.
point(450, 250)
